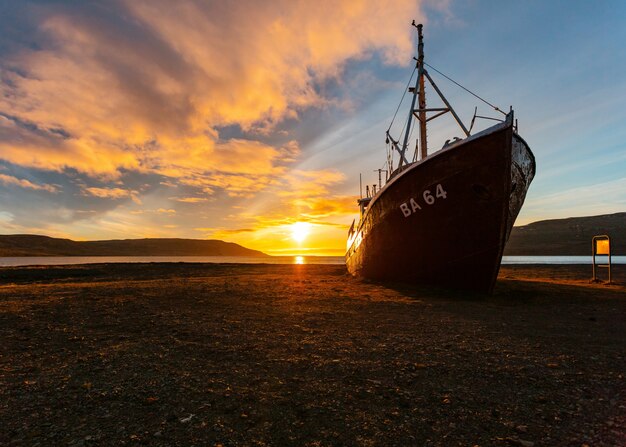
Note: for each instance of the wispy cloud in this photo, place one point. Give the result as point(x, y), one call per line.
point(27, 184)
point(591, 199)
point(108, 193)
point(166, 211)
point(189, 199)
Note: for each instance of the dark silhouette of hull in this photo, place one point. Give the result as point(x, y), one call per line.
point(445, 220)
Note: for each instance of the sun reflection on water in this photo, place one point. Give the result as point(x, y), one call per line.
point(298, 260)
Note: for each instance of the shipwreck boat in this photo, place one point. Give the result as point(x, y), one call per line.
point(442, 219)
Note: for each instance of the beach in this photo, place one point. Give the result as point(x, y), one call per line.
point(306, 355)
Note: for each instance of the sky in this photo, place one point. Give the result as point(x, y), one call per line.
point(251, 121)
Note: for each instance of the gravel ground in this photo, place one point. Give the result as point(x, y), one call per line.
point(305, 355)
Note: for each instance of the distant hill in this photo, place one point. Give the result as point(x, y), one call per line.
point(35, 245)
point(571, 236)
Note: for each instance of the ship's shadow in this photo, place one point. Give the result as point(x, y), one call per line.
point(511, 292)
point(507, 292)
point(422, 291)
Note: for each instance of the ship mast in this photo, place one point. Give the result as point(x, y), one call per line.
point(419, 85)
point(422, 93)
point(418, 93)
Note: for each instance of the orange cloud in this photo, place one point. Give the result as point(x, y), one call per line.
point(23, 183)
point(240, 167)
point(154, 104)
point(311, 183)
point(111, 193)
point(189, 199)
point(318, 208)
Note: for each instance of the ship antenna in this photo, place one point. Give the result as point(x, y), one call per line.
point(361, 185)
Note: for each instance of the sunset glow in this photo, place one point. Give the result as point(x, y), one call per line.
point(300, 230)
point(232, 120)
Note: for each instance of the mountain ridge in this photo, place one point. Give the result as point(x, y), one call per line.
point(570, 236)
point(15, 245)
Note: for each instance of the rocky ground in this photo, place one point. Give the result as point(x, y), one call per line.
point(305, 355)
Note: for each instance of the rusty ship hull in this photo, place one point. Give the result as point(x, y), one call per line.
point(445, 220)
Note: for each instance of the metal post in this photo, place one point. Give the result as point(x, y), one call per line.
point(422, 94)
point(593, 259)
point(608, 243)
point(380, 178)
point(361, 185)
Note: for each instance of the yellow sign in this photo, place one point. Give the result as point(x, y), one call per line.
point(602, 247)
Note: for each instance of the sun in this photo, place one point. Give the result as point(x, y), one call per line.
point(300, 230)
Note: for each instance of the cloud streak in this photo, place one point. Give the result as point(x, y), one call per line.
point(27, 184)
point(598, 198)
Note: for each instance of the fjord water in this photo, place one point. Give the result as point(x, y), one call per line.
point(69, 260)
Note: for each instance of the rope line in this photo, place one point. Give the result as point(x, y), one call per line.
point(468, 91)
point(408, 84)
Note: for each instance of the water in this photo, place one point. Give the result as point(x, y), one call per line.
point(64, 260)
point(561, 260)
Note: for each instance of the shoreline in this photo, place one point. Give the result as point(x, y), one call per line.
point(572, 274)
point(32, 261)
point(262, 354)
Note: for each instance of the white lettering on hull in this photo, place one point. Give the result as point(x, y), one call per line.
point(412, 205)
